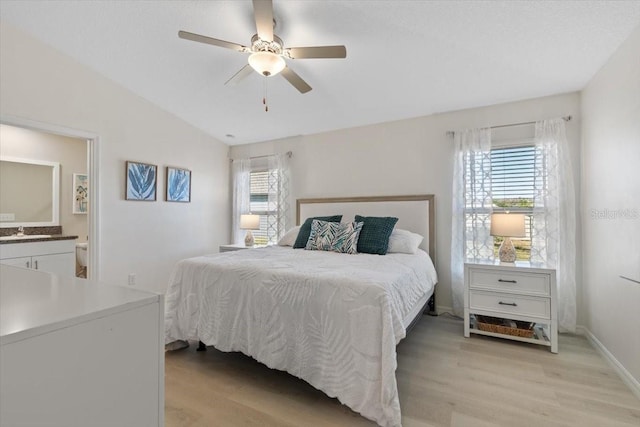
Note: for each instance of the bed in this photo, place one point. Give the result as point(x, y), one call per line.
point(331, 319)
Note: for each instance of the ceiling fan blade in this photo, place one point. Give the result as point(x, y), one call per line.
point(237, 77)
point(263, 12)
point(210, 40)
point(317, 52)
point(295, 80)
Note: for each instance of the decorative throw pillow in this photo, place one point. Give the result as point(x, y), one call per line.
point(305, 229)
point(404, 242)
point(289, 237)
point(374, 237)
point(334, 236)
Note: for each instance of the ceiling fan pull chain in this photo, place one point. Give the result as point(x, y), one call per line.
point(264, 98)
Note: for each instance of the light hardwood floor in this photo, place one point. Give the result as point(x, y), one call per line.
point(443, 380)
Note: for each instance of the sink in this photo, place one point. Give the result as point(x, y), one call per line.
point(25, 237)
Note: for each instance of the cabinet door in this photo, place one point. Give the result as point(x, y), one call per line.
point(63, 264)
point(24, 261)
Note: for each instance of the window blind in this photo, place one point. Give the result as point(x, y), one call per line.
point(513, 178)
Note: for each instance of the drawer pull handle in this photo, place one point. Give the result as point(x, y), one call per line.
point(507, 281)
point(508, 303)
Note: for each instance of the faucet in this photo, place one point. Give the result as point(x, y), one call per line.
point(20, 232)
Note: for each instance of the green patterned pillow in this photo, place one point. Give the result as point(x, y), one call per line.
point(334, 236)
point(374, 237)
point(305, 229)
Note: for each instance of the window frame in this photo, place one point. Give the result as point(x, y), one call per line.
point(529, 212)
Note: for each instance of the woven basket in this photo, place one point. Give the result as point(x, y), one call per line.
point(500, 326)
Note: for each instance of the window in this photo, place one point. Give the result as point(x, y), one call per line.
point(263, 201)
point(513, 189)
point(261, 187)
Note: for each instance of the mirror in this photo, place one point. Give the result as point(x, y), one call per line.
point(29, 192)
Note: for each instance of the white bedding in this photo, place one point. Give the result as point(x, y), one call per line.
point(331, 319)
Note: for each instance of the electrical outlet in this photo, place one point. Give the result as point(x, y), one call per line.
point(7, 217)
point(132, 279)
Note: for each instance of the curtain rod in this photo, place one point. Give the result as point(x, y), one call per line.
point(288, 153)
point(565, 118)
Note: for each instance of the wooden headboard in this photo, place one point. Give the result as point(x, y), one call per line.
point(414, 213)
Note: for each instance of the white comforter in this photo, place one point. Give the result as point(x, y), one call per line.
point(331, 319)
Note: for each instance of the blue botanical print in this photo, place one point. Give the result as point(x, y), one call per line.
point(178, 185)
point(141, 182)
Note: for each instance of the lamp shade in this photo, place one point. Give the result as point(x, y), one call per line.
point(507, 225)
point(267, 63)
point(250, 222)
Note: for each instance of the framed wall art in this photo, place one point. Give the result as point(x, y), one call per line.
point(141, 181)
point(178, 186)
point(80, 193)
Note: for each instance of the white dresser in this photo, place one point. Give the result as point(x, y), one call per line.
point(514, 292)
point(75, 352)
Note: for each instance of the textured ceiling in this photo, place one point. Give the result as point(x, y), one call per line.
point(404, 58)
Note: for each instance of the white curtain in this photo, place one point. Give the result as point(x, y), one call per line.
point(471, 240)
point(554, 218)
point(280, 194)
point(241, 175)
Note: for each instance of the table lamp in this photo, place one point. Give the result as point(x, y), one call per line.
point(249, 222)
point(507, 225)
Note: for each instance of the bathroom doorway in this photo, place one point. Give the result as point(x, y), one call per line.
point(77, 153)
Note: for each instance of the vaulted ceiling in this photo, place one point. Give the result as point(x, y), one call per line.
point(404, 58)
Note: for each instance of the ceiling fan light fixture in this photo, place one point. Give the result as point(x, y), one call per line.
point(267, 63)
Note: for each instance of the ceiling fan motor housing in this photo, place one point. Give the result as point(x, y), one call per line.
point(266, 58)
point(259, 45)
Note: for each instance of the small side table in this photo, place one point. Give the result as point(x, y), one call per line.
point(231, 247)
point(512, 292)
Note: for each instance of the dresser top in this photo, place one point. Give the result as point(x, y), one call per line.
point(518, 266)
point(34, 302)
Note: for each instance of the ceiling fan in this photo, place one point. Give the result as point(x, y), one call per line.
point(267, 51)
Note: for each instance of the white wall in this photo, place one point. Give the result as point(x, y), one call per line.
point(407, 157)
point(611, 204)
point(146, 238)
point(71, 153)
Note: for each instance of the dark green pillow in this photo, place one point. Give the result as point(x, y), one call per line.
point(374, 236)
point(305, 229)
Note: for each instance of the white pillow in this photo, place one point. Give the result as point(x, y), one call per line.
point(289, 237)
point(404, 242)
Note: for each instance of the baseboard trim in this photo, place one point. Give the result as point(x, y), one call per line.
point(625, 375)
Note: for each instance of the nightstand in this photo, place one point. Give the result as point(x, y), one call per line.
point(231, 248)
point(511, 293)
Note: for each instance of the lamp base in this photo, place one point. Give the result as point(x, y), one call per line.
point(248, 239)
point(507, 252)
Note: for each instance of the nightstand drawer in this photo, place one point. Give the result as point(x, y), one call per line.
point(504, 304)
point(512, 282)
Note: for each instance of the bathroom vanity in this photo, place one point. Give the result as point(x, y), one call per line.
point(53, 254)
point(75, 352)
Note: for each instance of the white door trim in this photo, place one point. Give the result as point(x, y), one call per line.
point(93, 161)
